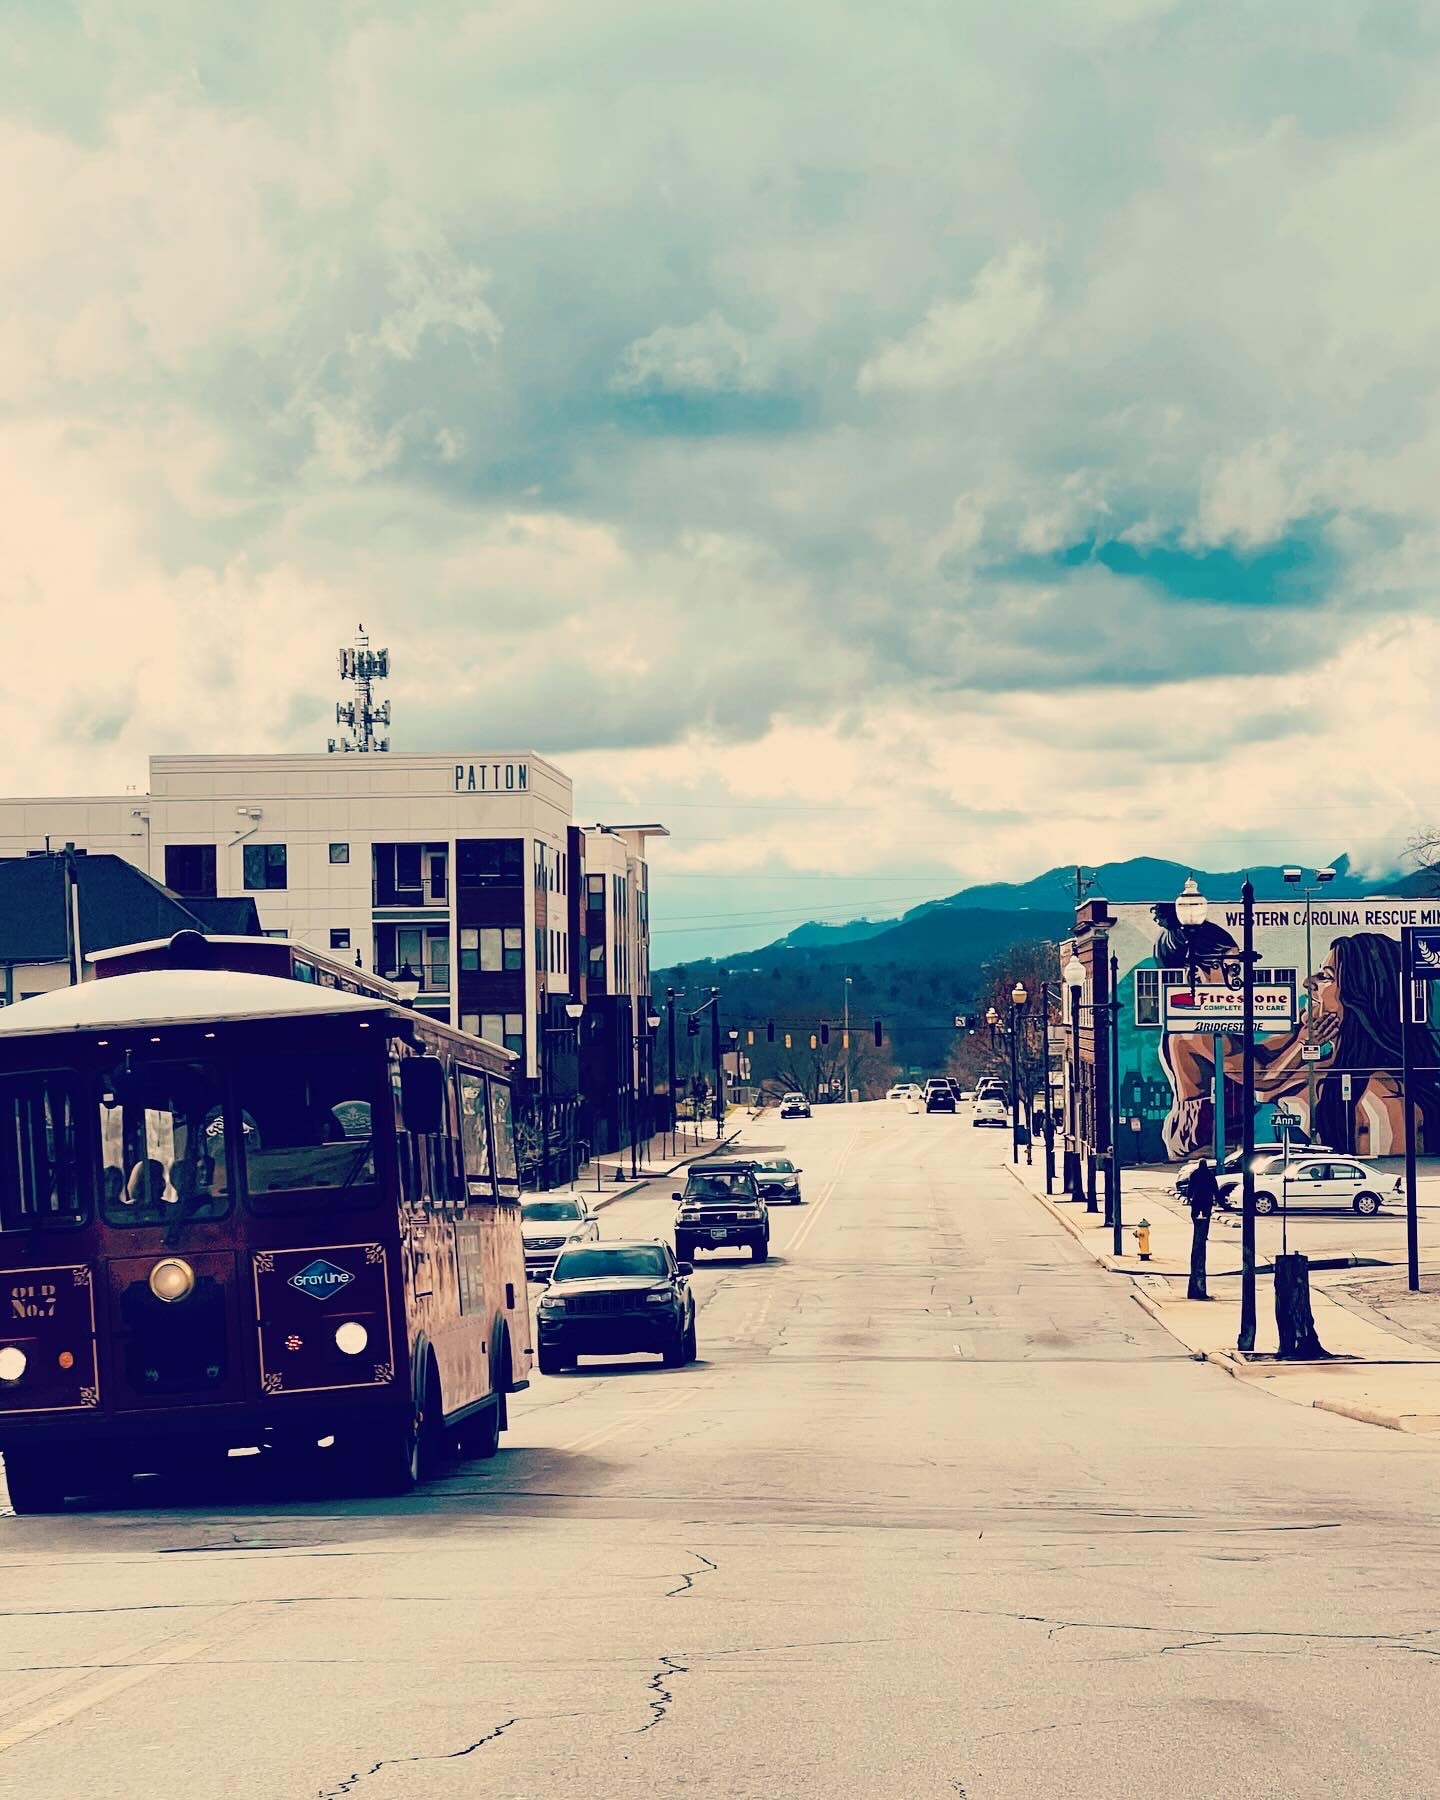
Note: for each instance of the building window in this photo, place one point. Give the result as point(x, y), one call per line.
point(595, 893)
point(1147, 996)
point(490, 862)
point(514, 947)
point(425, 947)
point(469, 947)
point(492, 1027)
point(471, 1022)
point(439, 884)
point(190, 870)
point(410, 875)
point(339, 853)
point(265, 866)
point(339, 937)
point(515, 1033)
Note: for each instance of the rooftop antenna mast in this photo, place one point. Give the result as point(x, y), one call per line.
point(362, 667)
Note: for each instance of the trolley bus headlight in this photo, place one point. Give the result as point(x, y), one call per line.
point(12, 1363)
point(172, 1279)
point(351, 1337)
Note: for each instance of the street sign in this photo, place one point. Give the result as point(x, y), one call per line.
point(1204, 1008)
point(1345, 1087)
point(1311, 1052)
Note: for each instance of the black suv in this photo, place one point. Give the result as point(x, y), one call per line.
point(721, 1205)
point(612, 1298)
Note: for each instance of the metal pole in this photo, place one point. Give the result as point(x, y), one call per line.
point(1114, 1009)
point(1100, 1027)
point(674, 1105)
point(1245, 1342)
point(845, 1040)
point(715, 1056)
point(1309, 1031)
point(1028, 1080)
point(1407, 1066)
point(1049, 1110)
point(1014, 1089)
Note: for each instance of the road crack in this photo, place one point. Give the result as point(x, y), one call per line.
point(351, 1782)
point(687, 1578)
point(664, 1699)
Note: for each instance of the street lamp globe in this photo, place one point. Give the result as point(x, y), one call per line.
point(406, 982)
point(1324, 874)
point(1190, 904)
point(574, 1009)
point(1018, 994)
point(653, 1021)
point(1075, 974)
point(992, 1018)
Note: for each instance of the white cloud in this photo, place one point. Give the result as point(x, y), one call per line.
point(958, 340)
point(708, 357)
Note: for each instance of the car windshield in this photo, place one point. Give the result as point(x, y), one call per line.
point(717, 1187)
point(596, 1265)
point(547, 1211)
point(781, 1166)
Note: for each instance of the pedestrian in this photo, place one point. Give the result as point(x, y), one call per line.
point(1202, 1194)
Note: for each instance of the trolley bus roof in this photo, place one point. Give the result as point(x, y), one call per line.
point(180, 997)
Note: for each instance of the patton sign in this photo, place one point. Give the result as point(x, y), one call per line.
point(492, 778)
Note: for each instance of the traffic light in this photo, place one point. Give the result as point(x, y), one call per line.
point(844, 1040)
point(749, 1037)
point(812, 1040)
point(692, 1025)
point(879, 1035)
point(769, 1031)
point(824, 1034)
point(787, 1040)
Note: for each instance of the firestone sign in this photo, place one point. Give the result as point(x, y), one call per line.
point(1202, 1008)
point(492, 778)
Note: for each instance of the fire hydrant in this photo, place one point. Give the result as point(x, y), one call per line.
point(1141, 1234)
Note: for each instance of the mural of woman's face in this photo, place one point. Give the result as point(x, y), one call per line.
point(1323, 988)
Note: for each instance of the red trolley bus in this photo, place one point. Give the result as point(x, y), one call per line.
point(246, 1211)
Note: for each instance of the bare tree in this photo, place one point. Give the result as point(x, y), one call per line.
point(1424, 851)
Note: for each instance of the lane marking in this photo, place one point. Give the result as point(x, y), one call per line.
point(592, 1439)
point(95, 1693)
point(800, 1237)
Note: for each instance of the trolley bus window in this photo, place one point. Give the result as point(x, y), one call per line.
point(162, 1140)
point(39, 1172)
point(475, 1138)
point(307, 1128)
point(502, 1127)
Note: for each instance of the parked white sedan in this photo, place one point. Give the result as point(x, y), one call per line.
point(1322, 1181)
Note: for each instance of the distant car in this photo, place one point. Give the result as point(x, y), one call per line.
point(794, 1106)
point(989, 1087)
point(903, 1090)
point(939, 1099)
point(989, 1111)
point(547, 1226)
point(613, 1298)
point(721, 1204)
point(1327, 1181)
point(777, 1179)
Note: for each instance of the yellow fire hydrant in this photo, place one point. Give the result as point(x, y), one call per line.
point(1141, 1234)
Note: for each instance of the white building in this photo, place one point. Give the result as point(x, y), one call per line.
point(467, 867)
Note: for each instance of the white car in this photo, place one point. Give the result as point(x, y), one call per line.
point(1329, 1181)
point(903, 1090)
point(548, 1224)
point(989, 1111)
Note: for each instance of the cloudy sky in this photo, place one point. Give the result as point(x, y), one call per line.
point(897, 445)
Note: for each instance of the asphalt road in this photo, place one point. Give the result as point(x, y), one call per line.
point(940, 1512)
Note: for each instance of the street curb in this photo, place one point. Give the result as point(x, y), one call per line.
point(608, 1196)
point(1415, 1424)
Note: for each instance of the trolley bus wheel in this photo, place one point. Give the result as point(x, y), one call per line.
point(37, 1481)
point(480, 1436)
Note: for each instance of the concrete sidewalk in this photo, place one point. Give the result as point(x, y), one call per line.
point(1373, 1374)
point(614, 1181)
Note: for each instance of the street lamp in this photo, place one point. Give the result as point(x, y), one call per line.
point(406, 983)
point(1296, 878)
point(1019, 998)
point(1075, 985)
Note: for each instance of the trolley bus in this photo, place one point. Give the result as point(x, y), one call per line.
point(241, 1211)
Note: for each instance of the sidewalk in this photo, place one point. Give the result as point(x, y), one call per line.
point(1380, 1372)
point(615, 1182)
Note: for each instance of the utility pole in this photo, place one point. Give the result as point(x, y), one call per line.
point(1245, 1343)
point(715, 1058)
point(670, 1025)
point(845, 1040)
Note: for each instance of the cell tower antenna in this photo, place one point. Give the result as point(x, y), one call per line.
point(362, 667)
